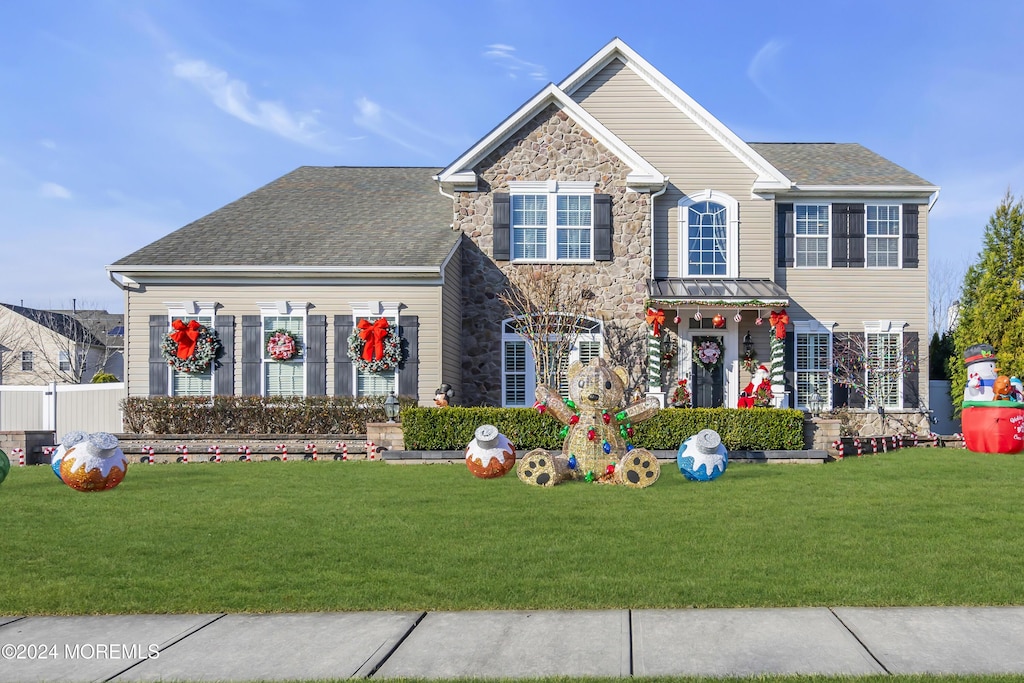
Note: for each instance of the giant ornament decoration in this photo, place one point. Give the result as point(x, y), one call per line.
point(490, 454)
point(703, 457)
point(91, 462)
point(5, 466)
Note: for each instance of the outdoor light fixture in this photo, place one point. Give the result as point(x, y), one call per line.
point(391, 407)
point(816, 402)
point(748, 344)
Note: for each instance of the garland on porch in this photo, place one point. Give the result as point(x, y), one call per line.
point(778, 320)
point(190, 347)
point(375, 346)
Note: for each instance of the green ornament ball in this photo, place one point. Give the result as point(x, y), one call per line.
point(5, 466)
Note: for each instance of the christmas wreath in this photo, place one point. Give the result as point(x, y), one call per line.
point(708, 353)
point(375, 347)
point(190, 347)
point(681, 394)
point(281, 345)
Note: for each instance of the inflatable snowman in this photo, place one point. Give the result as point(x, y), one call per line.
point(980, 360)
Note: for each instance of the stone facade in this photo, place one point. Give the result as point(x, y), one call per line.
point(550, 147)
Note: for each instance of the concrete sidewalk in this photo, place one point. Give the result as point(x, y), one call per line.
point(620, 643)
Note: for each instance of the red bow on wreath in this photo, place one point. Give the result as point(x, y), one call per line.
point(779, 320)
point(373, 334)
point(655, 318)
point(185, 336)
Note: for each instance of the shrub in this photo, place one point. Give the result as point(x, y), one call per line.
point(254, 414)
point(104, 378)
point(747, 429)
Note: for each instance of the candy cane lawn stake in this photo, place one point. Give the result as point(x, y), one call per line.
point(856, 443)
point(216, 452)
point(839, 446)
point(312, 447)
point(371, 449)
point(247, 457)
point(148, 450)
point(284, 451)
point(344, 450)
point(20, 452)
point(183, 449)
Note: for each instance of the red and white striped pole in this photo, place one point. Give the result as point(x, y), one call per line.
point(20, 452)
point(216, 452)
point(371, 450)
point(48, 451)
point(344, 450)
point(183, 449)
point(312, 447)
point(840, 447)
point(284, 451)
point(148, 450)
point(856, 443)
point(247, 453)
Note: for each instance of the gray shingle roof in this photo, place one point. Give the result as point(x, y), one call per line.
point(61, 323)
point(831, 163)
point(315, 216)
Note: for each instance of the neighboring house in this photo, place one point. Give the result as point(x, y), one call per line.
point(614, 178)
point(49, 346)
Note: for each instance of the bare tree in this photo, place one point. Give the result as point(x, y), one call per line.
point(945, 277)
point(550, 313)
point(11, 342)
point(65, 349)
point(872, 365)
point(627, 347)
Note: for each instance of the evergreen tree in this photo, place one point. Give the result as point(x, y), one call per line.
point(941, 355)
point(992, 298)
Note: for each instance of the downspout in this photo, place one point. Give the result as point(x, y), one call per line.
point(654, 354)
point(934, 198)
point(449, 196)
point(654, 196)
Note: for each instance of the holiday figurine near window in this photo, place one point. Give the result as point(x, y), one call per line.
point(760, 385)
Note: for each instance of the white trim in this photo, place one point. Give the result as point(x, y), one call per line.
point(552, 187)
point(768, 177)
point(287, 308)
point(460, 172)
point(192, 308)
point(808, 327)
point(732, 210)
point(312, 270)
point(283, 309)
point(828, 237)
point(889, 327)
point(552, 190)
point(870, 189)
point(374, 309)
point(813, 326)
point(898, 237)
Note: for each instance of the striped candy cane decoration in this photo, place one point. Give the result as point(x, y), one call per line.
point(247, 453)
point(840, 448)
point(20, 452)
point(183, 449)
point(284, 451)
point(148, 451)
point(344, 450)
point(312, 447)
point(856, 444)
point(371, 450)
point(216, 452)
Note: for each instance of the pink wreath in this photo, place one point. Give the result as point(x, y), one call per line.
point(281, 346)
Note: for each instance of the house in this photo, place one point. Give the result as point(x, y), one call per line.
point(43, 346)
point(614, 178)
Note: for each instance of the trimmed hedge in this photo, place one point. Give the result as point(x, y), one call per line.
point(254, 414)
point(748, 429)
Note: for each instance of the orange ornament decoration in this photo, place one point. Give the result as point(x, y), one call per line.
point(92, 462)
point(718, 321)
point(490, 454)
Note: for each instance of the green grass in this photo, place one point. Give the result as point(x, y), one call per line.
point(914, 527)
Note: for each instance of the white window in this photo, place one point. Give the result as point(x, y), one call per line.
point(191, 383)
point(284, 377)
point(708, 233)
point(552, 221)
point(883, 235)
point(64, 361)
point(813, 360)
point(375, 383)
point(882, 369)
point(812, 235)
point(518, 378)
point(27, 361)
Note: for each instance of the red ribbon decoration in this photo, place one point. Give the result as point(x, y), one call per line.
point(779, 320)
point(655, 318)
point(185, 336)
point(373, 334)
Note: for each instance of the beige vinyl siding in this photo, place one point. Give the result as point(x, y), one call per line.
point(419, 299)
point(694, 161)
point(451, 315)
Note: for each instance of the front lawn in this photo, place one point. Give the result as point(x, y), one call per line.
point(913, 527)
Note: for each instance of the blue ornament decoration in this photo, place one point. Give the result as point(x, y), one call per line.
point(703, 457)
point(606, 447)
point(572, 462)
point(629, 447)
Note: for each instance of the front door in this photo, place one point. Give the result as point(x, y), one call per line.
point(708, 384)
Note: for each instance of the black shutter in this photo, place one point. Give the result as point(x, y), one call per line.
point(224, 374)
point(855, 234)
point(910, 215)
point(158, 329)
point(502, 221)
point(840, 235)
point(911, 396)
point(409, 376)
point(789, 366)
point(840, 392)
point(252, 354)
point(603, 227)
point(342, 363)
point(857, 341)
point(785, 235)
point(316, 355)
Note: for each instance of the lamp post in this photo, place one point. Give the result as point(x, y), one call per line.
point(391, 407)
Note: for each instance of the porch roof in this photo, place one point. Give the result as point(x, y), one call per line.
point(732, 292)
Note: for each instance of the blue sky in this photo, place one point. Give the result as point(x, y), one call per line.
point(122, 121)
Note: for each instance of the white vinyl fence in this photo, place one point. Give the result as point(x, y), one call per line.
point(62, 408)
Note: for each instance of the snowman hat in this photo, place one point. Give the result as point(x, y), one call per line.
point(979, 353)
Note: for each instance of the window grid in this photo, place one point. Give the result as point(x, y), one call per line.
point(27, 361)
point(707, 234)
point(193, 383)
point(813, 352)
point(812, 235)
point(64, 361)
point(376, 383)
point(518, 372)
point(284, 378)
point(883, 384)
point(515, 373)
point(567, 221)
point(883, 236)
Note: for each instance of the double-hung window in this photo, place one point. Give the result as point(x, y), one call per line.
point(27, 361)
point(882, 369)
point(193, 383)
point(812, 235)
point(284, 377)
point(813, 348)
point(883, 235)
point(64, 361)
point(375, 383)
point(552, 221)
point(518, 378)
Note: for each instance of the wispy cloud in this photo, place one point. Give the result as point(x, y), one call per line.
point(232, 96)
point(764, 68)
point(504, 56)
point(48, 144)
point(54, 191)
point(391, 126)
